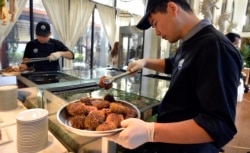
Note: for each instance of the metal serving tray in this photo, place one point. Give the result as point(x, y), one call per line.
point(147, 106)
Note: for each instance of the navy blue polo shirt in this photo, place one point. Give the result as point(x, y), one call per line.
point(35, 49)
point(205, 75)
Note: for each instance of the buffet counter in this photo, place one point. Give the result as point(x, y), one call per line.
point(144, 92)
point(71, 141)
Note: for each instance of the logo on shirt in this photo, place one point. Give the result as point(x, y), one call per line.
point(180, 64)
point(35, 50)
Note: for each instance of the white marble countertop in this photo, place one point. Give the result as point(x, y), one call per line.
point(8, 118)
point(8, 128)
point(53, 144)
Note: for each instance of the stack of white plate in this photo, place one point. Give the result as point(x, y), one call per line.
point(8, 97)
point(32, 130)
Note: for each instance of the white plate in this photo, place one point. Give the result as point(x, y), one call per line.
point(31, 115)
point(10, 73)
point(62, 117)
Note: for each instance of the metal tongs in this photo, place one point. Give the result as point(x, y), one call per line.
point(36, 59)
point(109, 80)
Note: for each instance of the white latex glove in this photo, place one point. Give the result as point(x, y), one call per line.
point(136, 133)
point(54, 56)
point(136, 65)
point(16, 68)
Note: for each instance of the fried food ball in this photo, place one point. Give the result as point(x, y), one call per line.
point(117, 108)
point(130, 112)
point(86, 100)
point(100, 104)
point(76, 108)
point(106, 126)
point(12, 69)
point(94, 119)
point(78, 121)
point(109, 98)
point(103, 85)
point(115, 118)
point(90, 108)
point(106, 111)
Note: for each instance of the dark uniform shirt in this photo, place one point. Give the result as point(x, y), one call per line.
point(35, 49)
point(205, 75)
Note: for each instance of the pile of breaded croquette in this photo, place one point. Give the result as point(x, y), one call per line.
point(98, 114)
point(12, 69)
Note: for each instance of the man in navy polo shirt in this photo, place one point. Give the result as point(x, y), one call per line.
point(197, 114)
point(44, 46)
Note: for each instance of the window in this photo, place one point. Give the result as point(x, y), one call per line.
point(82, 50)
point(17, 38)
point(91, 50)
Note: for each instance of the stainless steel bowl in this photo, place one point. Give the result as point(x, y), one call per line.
point(63, 118)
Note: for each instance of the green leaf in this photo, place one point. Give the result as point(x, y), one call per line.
point(245, 54)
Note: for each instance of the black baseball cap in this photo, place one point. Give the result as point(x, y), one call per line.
point(144, 23)
point(43, 29)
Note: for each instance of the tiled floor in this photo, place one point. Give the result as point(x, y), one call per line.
point(241, 141)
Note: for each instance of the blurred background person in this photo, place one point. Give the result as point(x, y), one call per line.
point(234, 38)
point(113, 56)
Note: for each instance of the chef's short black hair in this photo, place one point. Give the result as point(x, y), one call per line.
point(231, 36)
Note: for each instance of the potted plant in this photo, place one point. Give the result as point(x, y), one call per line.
point(245, 54)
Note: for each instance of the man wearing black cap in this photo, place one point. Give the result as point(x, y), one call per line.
point(44, 46)
point(197, 114)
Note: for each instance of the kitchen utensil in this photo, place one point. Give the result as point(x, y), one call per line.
point(36, 59)
point(64, 118)
point(109, 80)
point(44, 78)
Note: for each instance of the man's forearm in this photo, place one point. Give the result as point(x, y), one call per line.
point(67, 55)
point(184, 132)
point(155, 64)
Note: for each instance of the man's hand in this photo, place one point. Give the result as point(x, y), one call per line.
point(136, 133)
point(23, 67)
point(54, 56)
point(136, 65)
point(16, 68)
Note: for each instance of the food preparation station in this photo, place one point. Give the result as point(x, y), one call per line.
point(145, 92)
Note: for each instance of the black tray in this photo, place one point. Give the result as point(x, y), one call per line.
point(48, 77)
